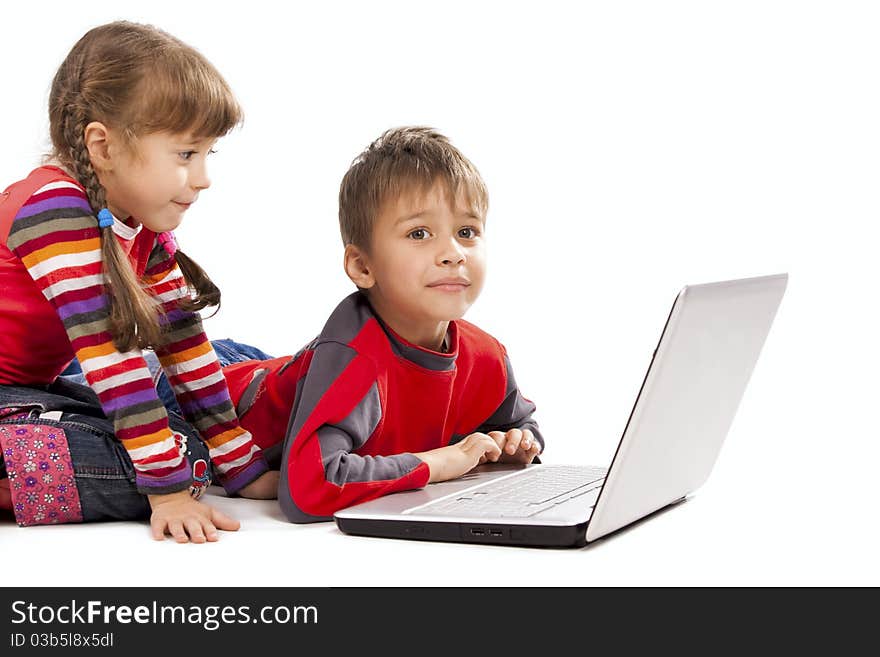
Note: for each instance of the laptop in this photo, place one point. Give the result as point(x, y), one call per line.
point(697, 376)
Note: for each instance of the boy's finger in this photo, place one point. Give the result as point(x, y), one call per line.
point(493, 450)
point(499, 437)
point(484, 447)
point(472, 440)
point(514, 436)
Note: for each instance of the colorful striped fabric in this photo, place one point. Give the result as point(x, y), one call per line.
point(56, 237)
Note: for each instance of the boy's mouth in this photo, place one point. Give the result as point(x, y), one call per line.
point(455, 284)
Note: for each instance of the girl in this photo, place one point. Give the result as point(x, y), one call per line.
point(89, 268)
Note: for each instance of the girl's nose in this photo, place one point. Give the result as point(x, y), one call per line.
point(200, 179)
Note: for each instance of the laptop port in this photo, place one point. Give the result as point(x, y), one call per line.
point(477, 532)
point(496, 532)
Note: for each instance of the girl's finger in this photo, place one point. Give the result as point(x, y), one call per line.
point(211, 533)
point(222, 521)
point(194, 529)
point(177, 531)
point(157, 528)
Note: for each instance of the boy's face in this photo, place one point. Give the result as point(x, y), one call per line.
point(427, 260)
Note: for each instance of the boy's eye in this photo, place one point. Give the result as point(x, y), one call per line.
point(468, 233)
point(418, 234)
point(187, 155)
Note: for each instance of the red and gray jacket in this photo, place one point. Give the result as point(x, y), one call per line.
point(344, 415)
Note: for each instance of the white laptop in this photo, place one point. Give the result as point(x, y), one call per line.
point(687, 402)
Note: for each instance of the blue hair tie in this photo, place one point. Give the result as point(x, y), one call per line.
point(105, 218)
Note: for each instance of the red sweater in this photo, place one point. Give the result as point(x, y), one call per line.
point(348, 410)
point(53, 305)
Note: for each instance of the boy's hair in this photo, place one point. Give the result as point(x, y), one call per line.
point(137, 80)
point(403, 160)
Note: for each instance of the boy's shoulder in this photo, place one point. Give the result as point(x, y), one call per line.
point(471, 334)
point(479, 351)
point(347, 321)
point(353, 329)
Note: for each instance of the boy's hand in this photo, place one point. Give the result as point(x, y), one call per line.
point(516, 445)
point(455, 460)
point(187, 519)
point(264, 487)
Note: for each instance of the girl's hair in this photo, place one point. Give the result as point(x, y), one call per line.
point(137, 80)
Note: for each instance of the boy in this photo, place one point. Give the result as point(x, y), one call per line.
point(396, 391)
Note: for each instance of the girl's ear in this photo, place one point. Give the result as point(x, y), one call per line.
point(97, 141)
point(357, 267)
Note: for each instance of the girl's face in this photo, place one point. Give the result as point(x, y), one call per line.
point(156, 184)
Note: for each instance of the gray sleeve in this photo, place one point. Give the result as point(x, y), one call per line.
point(338, 441)
point(515, 411)
point(350, 476)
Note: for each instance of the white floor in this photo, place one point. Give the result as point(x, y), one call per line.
point(723, 535)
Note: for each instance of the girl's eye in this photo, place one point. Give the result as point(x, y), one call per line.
point(211, 152)
point(418, 234)
point(468, 233)
point(187, 155)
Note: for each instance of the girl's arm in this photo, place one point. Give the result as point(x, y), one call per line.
point(56, 237)
point(197, 380)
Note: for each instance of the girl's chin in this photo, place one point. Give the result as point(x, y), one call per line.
point(161, 226)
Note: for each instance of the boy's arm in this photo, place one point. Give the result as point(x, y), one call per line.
point(514, 412)
point(195, 376)
point(338, 410)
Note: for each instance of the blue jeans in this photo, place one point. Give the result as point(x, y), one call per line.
point(104, 475)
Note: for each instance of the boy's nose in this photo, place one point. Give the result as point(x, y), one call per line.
point(452, 254)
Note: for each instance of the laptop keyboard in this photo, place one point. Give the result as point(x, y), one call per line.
point(521, 496)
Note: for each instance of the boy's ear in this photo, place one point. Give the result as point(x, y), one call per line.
point(357, 267)
point(97, 140)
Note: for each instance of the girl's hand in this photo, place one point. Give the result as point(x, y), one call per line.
point(516, 445)
point(187, 519)
point(455, 460)
point(264, 487)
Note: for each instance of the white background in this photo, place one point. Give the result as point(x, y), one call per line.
point(629, 148)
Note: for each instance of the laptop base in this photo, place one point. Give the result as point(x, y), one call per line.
point(462, 532)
